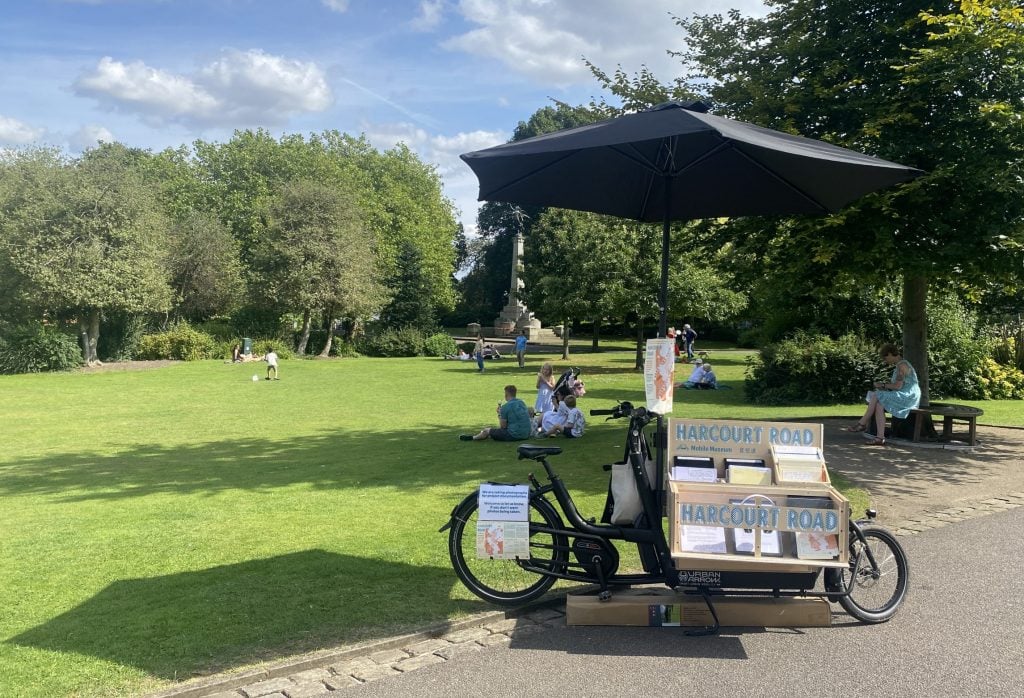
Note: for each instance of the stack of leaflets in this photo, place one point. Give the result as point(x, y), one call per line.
point(693, 469)
point(748, 475)
point(799, 463)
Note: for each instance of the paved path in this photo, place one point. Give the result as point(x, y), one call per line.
point(915, 490)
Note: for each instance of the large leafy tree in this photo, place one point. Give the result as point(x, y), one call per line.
point(937, 89)
point(204, 267)
point(86, 237)
point(574, 263)
point(409, 207)
point(316, 255)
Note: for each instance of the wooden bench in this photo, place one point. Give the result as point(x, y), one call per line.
point(948, 413)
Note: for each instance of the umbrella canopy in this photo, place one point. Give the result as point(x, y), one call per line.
point(673, 158)
point(676, 162)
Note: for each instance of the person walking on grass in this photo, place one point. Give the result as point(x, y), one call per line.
point(478, 353)
point(521, 348)
point(513, 421)
point(271, 359)
point(689, 337)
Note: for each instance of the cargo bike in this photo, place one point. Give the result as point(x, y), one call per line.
point(867, 573)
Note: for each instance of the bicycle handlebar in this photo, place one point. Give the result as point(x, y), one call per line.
point(597, 413)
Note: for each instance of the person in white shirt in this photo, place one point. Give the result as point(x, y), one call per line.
point(271, 359)
point(574, 422)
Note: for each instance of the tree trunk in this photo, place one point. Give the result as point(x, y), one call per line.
point(90, 327)
point(304, 339)
point(915, 329)
point(596, 336)
point(330, 334)
point(565, 339)
point(639, 365)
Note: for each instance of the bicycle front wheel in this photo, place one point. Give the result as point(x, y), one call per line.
point(879, 589)
point(505, 582)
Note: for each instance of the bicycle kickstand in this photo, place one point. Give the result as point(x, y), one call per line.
point(708, 629)
point(604, 594)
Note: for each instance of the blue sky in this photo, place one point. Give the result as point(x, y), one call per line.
point(443, 76)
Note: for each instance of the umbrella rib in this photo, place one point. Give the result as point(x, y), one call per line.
point(506, 185)
point(817, 204)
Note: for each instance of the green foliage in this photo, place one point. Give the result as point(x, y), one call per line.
point(257, 321)
point(811, 369)
point(405, 341)
point(316, 254)
point(181, 343)
point(955, 349)
point(261, 345)
point(121, 336)
point(38, 348)
point(220, 329)
point(412, 304)
point(998, 382)
point(439, 344)
point(204, 266)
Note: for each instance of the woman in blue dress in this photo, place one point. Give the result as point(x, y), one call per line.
point(898, 396)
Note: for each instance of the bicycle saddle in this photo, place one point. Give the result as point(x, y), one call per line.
point(534, 452)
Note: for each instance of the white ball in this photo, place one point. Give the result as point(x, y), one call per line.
point(255, 378)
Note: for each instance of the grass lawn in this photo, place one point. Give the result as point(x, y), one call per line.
point(168, 523)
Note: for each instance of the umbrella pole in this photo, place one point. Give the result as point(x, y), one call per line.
point(663, 291)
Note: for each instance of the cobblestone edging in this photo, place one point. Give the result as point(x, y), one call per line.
point(961, 512)
point(320, 676)
point(323, 674)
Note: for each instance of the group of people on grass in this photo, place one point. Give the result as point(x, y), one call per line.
point(237, 357)
point(551, 415)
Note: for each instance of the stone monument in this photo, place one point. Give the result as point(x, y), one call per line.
point(515, 316)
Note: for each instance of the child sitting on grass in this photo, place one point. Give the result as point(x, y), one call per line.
point(574, 423)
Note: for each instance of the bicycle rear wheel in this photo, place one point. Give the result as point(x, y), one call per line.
point(877, 591)
point(505, 582)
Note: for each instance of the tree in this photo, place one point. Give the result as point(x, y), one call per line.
point(936, 91)
point(573, 262)
point(204, 267)
point(85, 237)
point(409, 206)
point(316, 256)
point(412, 304)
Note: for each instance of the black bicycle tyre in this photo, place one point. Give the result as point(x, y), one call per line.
point(505, 582)
point(893, 568)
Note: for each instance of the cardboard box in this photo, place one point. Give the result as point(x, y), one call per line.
point(664, 608)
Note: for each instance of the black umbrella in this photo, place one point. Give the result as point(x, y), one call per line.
point(676, 162)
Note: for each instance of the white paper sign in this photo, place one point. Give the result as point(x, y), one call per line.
point(502, 540)
point(504, 503)
point(659, 374)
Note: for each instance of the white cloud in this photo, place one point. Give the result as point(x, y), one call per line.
point(460, 184)
point(240, 88)
point(89, 136)
point(547, 39)
point(335, 5)
point(430, 15)
point(137, 86)
point(14, 132)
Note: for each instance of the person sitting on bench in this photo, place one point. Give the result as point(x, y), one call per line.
point(900, 394)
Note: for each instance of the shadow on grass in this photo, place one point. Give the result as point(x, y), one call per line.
point(405, 460)
point(178, 625)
